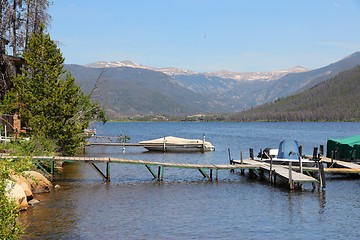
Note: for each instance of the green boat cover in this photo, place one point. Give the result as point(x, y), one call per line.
point(345, 147)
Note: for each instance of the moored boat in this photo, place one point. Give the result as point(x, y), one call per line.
point(176, 144)
point(288, 151)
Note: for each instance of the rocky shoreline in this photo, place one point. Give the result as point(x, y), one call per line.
point(21, 188)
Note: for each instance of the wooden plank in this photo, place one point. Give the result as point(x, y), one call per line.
point(342, 170)
point(113, 144)
point(296, 176)
point(341, 163)
point(281, 170)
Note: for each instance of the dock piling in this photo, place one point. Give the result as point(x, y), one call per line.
point(231, 161)
point(322, 177)
point(242, 171)
point(108, 171)
point(271, 170)
point(291, 183)
point(322, 150)
point(251, 153)
point(159, 176)
point(315, 153)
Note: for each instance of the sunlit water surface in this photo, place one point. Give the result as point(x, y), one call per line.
point(186, 206)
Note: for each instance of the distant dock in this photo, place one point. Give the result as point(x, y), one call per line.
point(113, 144)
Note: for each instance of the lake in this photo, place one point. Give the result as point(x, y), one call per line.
point(185, 205)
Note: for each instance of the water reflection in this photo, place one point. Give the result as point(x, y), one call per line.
point(322, 201)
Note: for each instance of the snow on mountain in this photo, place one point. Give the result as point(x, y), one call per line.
point(103, 64)
point(268, 76)
point(175, 71)
point(171, 71)
point(167, 70)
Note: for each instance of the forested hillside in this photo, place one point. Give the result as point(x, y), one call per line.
point(337, 99)
point(129, 89)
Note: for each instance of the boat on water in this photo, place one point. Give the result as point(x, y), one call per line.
point(288, 151)
point(176, 144)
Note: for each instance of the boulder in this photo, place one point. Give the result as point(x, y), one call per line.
point(24, 184)
point(16, 192)
point(39, 183)
point(33, 201)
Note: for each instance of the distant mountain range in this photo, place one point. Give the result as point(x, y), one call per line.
point(171, 71)
point(127, 88)
point(337, 99)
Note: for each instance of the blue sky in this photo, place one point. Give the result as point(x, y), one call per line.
point(207, 35)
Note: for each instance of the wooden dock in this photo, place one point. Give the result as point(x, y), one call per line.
point(291, 174)
point(113, 144)
point(340, 167)
point(205, 169)
point(292, 177)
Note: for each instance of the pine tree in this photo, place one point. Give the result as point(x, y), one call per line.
point(47, 97)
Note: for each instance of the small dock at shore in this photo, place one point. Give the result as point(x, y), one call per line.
point(294, 176)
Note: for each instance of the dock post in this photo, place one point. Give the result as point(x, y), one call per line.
point(274, 176)
point(242, 171)
point(300, 165)
point(291, 183)
point(322, 150)
point(230, 161)
point(271, 170)
point(162, 172)
point(108, 171)
point(261, 154)
point(211, 172)
point(217, 174)
point(251, 152)
point(300, 150)
point(159, 173)
point(315, 153)
point(322, 183)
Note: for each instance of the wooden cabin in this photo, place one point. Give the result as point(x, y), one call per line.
point(11, 124)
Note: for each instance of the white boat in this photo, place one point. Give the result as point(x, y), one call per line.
point(175, 144)
point(288, 151)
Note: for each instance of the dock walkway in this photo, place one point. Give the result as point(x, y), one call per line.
point(205, 169)
point(157, 168)
point(338, 166)
point(283, 171)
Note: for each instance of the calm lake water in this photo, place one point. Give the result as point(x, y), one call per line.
point(185, 206)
